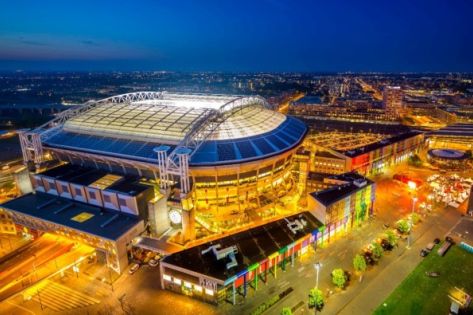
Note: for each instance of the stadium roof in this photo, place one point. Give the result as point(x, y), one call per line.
point(239, 128)
point(168, 119)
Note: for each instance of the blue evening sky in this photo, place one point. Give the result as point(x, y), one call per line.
point(258, 35)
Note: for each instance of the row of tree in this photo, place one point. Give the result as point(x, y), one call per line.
point(341, 277)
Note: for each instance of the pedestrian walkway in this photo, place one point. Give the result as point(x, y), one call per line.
point(58, 297)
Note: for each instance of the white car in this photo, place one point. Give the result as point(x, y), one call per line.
point(153, 262)
point(134, 267)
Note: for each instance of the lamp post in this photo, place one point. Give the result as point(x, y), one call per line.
point(414, 200)
point(317, 267)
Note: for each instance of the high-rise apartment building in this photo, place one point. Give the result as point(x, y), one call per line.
point(392, 100)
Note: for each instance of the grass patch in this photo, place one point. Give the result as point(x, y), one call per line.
point(420, 294)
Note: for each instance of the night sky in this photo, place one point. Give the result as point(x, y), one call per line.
point(269, 35)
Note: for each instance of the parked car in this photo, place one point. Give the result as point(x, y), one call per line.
point(429, 247)
point(436, 241)
point(423, 252)
point(153, 262)
point(133, 268)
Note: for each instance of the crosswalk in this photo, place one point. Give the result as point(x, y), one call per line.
point(58, 297)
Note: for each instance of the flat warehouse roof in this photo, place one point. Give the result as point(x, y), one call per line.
point(104, 223)
point(252, 246)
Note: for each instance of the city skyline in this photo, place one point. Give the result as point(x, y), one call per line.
point(428, 36)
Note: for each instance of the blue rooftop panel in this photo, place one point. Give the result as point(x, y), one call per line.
point(263, 146)
point(246, 149)
point(277, 142)
point(226, 151)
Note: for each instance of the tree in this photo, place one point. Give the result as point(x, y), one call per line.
point(377, 250)
point(415, 217)
point(415, 160)
point(316, 298)
point(403, 226)
point(362, 212)
point(286, 311)
point(322, 230)
point(359, 263)
point(391, 237)
point(339, 278)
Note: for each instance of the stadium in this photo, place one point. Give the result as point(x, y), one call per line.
point(216, 163)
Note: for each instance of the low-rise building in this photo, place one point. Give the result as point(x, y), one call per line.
point(347, 202)
point(223, 269)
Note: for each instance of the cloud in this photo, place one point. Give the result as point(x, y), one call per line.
point(89, 42)
point(32, 42)
point(48, 47)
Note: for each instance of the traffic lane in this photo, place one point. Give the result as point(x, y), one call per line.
point(28, 261)
point(23, 253)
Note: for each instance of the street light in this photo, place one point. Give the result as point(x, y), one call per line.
point(76, 270)
point(414, 200)
point(412, 185)
point(317, 267)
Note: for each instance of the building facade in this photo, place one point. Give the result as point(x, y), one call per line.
point(392, 101)
point(348, 201)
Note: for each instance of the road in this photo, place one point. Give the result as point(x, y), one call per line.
point(38, 260)
point(39, 252)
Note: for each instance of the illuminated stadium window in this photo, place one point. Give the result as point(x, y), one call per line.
point(167, 277)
